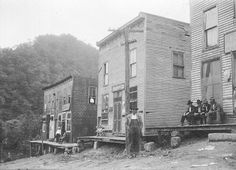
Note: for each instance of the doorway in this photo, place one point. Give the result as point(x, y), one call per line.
point(117, 100)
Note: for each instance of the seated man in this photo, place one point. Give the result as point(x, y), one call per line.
point(198, 111)
point(205, 110)
point(201, 111)
point(189, 114)
point(216, 112)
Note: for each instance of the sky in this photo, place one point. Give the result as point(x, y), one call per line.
point(88, 20)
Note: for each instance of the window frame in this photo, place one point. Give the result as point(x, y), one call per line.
point(106, 74)
point(133, 64)
point(206, 30)
point(105, 110)
point(178, 66)
point(68, 120)
point(95, 94)
point(132, 92)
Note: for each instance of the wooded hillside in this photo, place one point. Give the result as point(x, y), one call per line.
point(25, 70)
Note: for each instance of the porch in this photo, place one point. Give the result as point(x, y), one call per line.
point(47, 146)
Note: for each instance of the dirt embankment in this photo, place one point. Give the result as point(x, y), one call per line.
point(192, 154)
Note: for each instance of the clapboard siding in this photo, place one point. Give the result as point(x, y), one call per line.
point(114, 53)
point(165, 96)
point(199, 54)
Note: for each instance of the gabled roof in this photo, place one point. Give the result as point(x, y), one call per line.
point(120, 29)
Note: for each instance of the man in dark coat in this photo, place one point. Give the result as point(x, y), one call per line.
point(189, 114)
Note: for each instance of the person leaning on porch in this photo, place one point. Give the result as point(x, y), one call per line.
point(134, 125)
point(189, 114)
point(58, 134)
point(216, 112)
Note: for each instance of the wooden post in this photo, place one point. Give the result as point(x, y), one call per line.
point(30, 150)
point(127, 97)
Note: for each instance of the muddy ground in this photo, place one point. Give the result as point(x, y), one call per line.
point(192, 154)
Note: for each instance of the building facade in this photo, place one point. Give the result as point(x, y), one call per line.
point(160, 65)
point(213, 46)
point(72, 105)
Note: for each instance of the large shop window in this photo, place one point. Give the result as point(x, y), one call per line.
point(211, 30)
point(106, 74)
point(133, 97)
point(178, 64)
point(133, 63)
point(105, 109)
point(211, 80)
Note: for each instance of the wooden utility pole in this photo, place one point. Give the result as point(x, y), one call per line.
point(127, 97)
point(125, 33)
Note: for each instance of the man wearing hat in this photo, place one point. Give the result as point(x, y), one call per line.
point(189, 114)
point(134, 127)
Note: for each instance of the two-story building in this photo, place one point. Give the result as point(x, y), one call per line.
point(213, 46)
point(160, 66)
point(72, 105)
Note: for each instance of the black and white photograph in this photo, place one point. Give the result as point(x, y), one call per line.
point(118, 84)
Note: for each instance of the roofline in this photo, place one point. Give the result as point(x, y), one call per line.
point(118, 31)
point(59, 82)
point(141, 15)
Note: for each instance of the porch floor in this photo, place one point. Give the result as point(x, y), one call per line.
point(110, 139)
point(153, 131)
point(54, 144)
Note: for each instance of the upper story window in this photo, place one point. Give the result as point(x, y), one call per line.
point(92, 94)
point(106, 73)
point(178, 64)
point(132, 62)
point(234, 8)
point(211, 30)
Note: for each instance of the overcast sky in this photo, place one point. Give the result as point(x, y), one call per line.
point(88, 20)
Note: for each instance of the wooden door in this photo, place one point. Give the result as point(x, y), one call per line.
point(117, 118)
point(117, 112)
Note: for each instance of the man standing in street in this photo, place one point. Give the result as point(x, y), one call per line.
point(134, 127)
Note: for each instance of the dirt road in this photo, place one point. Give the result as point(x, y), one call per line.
point(192, 154)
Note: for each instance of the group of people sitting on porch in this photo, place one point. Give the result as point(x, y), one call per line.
point(204, 113)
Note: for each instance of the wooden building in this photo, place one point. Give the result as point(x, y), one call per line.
point(213, 47)
point(72, 105)
point(160, 66)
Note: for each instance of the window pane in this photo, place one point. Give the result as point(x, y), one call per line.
point(180, 60)
point(132, 89)
point(175, 58)
point(133, 56)
point(106, 79)
point(180, 72)
point(212, 36)
point(211, 18)
point(106, 68)
point(133, 70)
point(175, 71)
